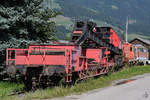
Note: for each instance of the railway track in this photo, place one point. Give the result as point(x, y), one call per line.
point(17, 93)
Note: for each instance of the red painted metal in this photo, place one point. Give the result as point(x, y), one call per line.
point(128, 52)
point(71, 56)
point(78, 32)
point(134, 52)
point(114, 39)
point(37, 55)
point(141, 53)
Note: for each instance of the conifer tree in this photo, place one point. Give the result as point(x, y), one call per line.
point(22, 21)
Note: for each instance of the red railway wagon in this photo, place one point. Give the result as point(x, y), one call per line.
point(62, 60)
point(109, 35)
point(128, 52)
point(92, 51)
point(134, 54)
point(140, 53)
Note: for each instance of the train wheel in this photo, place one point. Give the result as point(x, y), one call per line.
point(110, 70)
point(75, 77)
point(31, 80)
point(31, 83)
point(28, 83)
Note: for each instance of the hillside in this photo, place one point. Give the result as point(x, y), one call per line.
point(108, 12)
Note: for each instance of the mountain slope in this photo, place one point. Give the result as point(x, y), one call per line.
point(112, 12)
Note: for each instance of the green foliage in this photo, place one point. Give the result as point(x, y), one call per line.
point(103, 10)
point(64, 32)
point(24, 21)
point(7, 88)
point(27, 20)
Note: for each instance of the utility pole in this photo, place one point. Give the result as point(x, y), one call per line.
point(51, 4)
point(127, 23)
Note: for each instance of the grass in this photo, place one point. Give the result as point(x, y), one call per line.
point(52, 4)
point(133, 36)
point(61, 20)
point(81, 87)
point(6, 88)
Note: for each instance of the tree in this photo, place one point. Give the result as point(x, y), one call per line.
point(23, 21)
